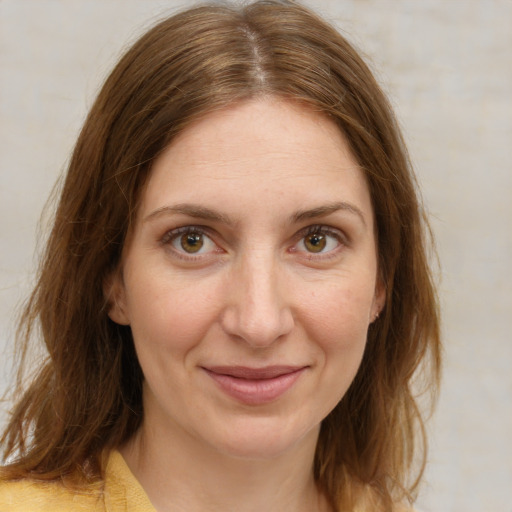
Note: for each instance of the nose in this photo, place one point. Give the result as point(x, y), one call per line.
point(257, 309)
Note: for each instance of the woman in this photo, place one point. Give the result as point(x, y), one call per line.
point(235, 295)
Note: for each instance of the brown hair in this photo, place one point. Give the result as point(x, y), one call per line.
point(87, 396)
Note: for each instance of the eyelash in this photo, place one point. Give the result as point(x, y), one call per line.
point(320, 229)
point(172, 235)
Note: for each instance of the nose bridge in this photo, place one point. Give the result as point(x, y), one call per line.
point(259, 312)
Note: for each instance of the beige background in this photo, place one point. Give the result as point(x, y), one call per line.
point(447, 65)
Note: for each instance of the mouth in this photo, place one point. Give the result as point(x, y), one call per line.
point(255, 386)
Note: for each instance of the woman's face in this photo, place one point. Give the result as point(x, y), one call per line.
point(250, 279)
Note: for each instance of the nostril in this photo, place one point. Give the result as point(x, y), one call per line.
point(256, 310)
point(257, 327)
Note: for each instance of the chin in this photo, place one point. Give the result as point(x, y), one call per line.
point(266, 440)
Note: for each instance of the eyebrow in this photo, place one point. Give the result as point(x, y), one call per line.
point(323, 211)
point(201, 212)
point(192, 210)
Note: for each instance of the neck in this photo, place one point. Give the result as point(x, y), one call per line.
point(183, 475)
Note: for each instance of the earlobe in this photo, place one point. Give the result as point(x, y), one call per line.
point(379, 300)
point(115, 298)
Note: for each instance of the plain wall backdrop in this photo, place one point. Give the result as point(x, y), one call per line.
point(447, 66)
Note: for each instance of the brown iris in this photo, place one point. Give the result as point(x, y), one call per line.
point(315, 242)
point(191, 242)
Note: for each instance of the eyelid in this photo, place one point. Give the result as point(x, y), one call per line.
point(324, 229)
point(172, 234)
point(336, 233)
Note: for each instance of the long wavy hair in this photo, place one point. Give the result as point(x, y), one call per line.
point(86, 398)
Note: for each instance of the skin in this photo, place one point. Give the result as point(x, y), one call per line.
point(267, 180)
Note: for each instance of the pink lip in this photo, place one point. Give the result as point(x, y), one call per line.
point(255, 386)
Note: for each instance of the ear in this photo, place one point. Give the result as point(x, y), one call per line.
point(115, 297)
point(379, 299)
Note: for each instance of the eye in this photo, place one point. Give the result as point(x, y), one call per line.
point(319, 240)
point(190, 240)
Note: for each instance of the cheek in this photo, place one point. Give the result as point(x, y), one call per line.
point(337, 322)
point(169, 316)
point(339, 316)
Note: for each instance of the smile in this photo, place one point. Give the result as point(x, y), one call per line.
point(255, 386)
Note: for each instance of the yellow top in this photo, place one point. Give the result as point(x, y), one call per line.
point(121, 493)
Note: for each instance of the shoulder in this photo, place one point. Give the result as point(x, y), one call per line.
point(369, 501)
point(35, 496)
point(396, 508)
point(119, 491)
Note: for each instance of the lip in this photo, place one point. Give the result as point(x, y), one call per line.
point(255, 386)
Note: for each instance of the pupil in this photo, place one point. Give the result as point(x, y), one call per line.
point(315, 242)
point(192, 242)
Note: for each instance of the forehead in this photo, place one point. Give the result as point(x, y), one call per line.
point(265, 128)
point(263, 149)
